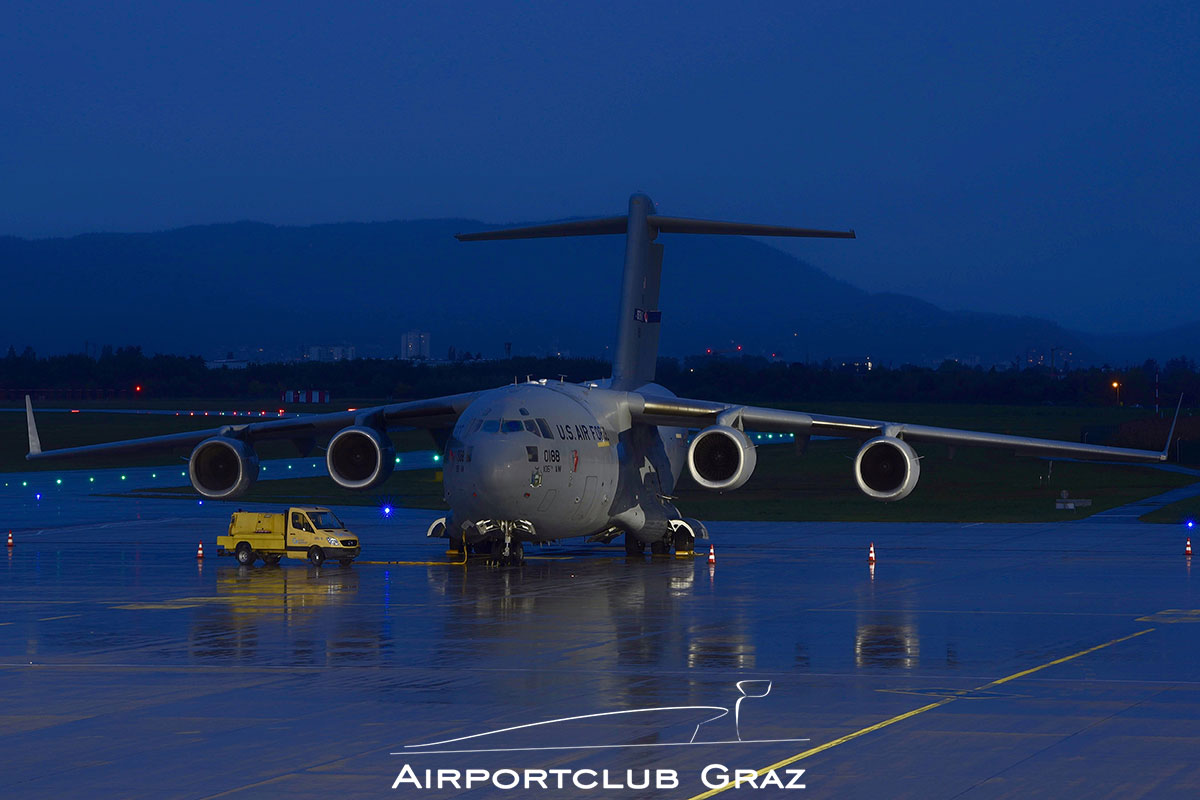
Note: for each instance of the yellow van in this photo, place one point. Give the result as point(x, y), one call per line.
point(300, 532)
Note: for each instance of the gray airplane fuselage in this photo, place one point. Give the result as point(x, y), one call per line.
point(564, 460)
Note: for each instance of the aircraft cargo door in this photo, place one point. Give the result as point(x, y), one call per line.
point(589, 497)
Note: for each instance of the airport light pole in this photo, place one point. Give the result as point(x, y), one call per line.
point(1117, 386)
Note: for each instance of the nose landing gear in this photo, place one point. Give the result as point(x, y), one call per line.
point(508, 551)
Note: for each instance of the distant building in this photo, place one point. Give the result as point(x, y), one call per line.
point(335, 352)
point(305, 396)
point(414, 345)
point(228, 362)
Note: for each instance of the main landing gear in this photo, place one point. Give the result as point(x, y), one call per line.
point(680, 537)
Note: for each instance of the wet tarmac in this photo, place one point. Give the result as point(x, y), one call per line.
point(1038, 660)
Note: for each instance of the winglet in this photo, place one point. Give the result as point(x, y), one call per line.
point(1166, 451)
point(35, 444)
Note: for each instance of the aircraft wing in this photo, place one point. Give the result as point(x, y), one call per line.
point(435, 412)
point(681, 412)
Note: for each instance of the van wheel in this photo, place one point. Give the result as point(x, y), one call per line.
point(245, 554)
point(316, 556)
point(345, 562)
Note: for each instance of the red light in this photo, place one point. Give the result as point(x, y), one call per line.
point(137, 388)
point(739, 347)
point(708, 351)
point(74, 410)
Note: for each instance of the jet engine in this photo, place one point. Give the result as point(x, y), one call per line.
point(359, 457)
point(887, 468)
point(222, 467)
point(721, 457)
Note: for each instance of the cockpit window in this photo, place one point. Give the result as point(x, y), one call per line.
point(545, 428)
point(474, 426)
point(532, 427)
point(491, 426)
point(512, 426)
point(524, 412)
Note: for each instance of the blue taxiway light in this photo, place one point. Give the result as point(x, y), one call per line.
point(1190, 523)
point(37, 496)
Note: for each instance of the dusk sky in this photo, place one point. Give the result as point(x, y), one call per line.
point(1024, 158)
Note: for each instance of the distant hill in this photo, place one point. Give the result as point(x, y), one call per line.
point(207, 289)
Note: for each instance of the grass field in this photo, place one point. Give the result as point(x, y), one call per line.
point(1176, 513)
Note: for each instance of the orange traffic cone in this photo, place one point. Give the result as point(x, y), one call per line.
point(1187, 549)
point(871, 554)
point(200, 550)
point(10, 541)
point(712, 554)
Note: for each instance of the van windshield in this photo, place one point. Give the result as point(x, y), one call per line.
point(325, 520)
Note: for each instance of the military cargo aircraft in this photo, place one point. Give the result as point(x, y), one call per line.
point(547, 460)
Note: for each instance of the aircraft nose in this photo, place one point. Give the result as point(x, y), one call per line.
point(496, 474)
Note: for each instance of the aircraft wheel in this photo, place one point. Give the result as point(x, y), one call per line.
point(244, 554)
point(634, 546)
point(316, 556)
point(660, 548)
point(685, 542)
point(345, 562)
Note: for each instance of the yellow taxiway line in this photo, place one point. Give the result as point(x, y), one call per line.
point(900, 718)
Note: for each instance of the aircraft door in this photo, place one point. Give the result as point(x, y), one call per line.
point(589, 497)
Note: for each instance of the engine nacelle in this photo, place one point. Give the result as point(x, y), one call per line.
point(721, 457)
point(887, 468)
point(222, 467)
point(360, 457)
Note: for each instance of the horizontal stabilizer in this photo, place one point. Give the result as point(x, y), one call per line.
point(581, 227)
point(685, 225)
point(656, 224)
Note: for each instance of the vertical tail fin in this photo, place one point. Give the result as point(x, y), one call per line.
point(639, 321)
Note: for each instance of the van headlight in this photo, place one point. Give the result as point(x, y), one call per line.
point(333, 541)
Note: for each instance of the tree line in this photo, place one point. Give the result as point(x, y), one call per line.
point(119, 372)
